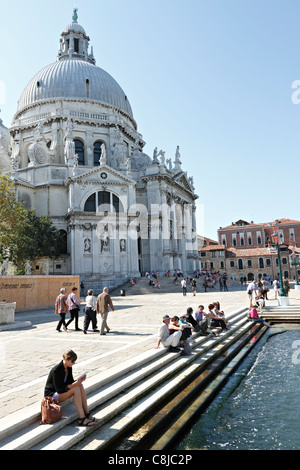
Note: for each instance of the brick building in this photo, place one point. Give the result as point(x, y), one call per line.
point(246, 250)
point(242, 234)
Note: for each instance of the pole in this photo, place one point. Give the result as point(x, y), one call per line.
point(282, 291)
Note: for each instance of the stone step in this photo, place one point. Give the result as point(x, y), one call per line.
point(284, 314)
point(20, 419)
point(22, 431)
point(140, 390)
point(115, 429)
point(195, 401)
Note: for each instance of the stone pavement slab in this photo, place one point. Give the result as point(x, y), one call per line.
point(28, 354)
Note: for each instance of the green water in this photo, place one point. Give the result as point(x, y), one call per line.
point(259, 408)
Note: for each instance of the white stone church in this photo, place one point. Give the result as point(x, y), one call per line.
point(75, 153)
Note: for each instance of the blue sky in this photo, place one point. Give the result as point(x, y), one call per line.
point(214, 77)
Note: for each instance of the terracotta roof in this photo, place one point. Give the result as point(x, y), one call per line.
point(264, 224)
point(249, 252)
point(212, 248)
point(206, 240)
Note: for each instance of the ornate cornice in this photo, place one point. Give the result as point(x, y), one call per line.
point(114, 109)
point(171, 182)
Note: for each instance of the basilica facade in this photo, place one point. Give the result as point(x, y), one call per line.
point(75, 153)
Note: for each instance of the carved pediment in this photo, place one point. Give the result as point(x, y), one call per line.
point(183, 181)
point(103, 174)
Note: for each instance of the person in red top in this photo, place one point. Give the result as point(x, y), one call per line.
point(254, 316)
point(61, 308)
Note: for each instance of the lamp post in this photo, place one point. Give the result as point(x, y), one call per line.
point(295, 262)
point(275, 238)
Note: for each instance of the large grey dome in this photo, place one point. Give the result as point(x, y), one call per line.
point(74, 78)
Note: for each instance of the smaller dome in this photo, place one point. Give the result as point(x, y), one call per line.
point(75, 28)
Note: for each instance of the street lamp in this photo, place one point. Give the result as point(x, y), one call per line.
point(295, 262)
point(275, 239)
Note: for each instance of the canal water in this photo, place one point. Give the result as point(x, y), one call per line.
point(259, 408)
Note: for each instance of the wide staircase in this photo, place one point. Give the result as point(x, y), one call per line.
point(287, 314)
point(144, 403)
point(167, 284)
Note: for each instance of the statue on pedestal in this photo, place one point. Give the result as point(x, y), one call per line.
point(27, 268)
point(4, 268)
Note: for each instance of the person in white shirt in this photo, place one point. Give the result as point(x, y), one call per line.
point(183, 285)
point(276, 285)
point(168, 340)
point(260, 302)
point(90, 312)
point(251, 289)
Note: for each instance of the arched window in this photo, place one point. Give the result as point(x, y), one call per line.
point(90, 204)
point(261, 262)
point(103, 201)
point(97, 153)
point(116, 203)
point(240, 263)
point(79, 150)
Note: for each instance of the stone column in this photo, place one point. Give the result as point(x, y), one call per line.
point(165, 229)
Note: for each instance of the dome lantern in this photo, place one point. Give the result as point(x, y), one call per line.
point(74, 42)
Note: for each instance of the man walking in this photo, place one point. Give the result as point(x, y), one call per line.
point(103, 303)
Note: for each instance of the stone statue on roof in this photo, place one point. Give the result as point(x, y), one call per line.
point(75, 16)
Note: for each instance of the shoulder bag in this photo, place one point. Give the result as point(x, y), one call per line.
point(50, 410)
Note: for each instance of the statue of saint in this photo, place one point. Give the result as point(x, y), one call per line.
point(4, 268)
point(27, 268)
point(75, 16)
point(103, 155)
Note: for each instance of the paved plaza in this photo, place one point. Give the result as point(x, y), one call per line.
point(28, 354)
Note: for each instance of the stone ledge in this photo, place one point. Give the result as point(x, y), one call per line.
point(15, 326)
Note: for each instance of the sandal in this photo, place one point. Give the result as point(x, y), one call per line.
point(88, 424)
point(92, 419)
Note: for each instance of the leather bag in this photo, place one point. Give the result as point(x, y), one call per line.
point(50, 410)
